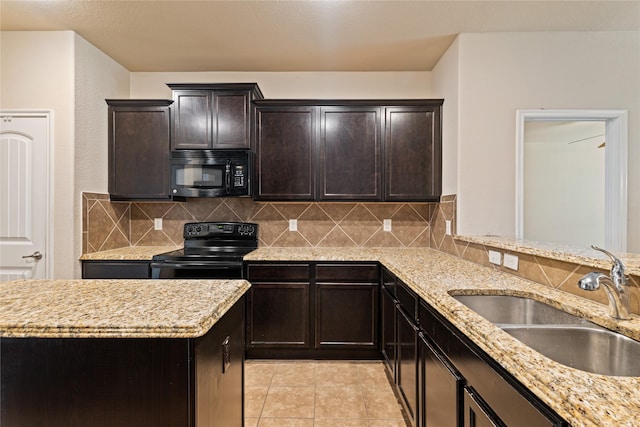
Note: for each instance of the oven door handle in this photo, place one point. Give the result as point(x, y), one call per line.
point(193, 265)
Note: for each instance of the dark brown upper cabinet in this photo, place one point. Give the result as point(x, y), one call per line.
point(350, 153)
point(413, 157)
point(139, 145)
point(374, 150)
point(213, 116)
point(285, 146)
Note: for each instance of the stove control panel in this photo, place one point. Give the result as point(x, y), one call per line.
point(195, 230)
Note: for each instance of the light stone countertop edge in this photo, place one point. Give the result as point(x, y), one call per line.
point(115, 308)
point(128, 253)
point(579, 255)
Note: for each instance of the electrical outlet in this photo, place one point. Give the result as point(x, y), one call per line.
point(511, 261)
point(495, 257)
point(157, 223)
point(293, 225)
point(386, 225)
point(447, 227)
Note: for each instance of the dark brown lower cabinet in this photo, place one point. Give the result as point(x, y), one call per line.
point(313, 310)
point(388, 330)
point(126, 382)
point(407, 365)
point(278, 310)
point(440, 388)
point(359, 329)
point(116, 269)
point(441, 377)
point(476, 414)
point(492, 396)
point(278, 316)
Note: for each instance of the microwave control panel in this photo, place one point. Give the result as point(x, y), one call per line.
point(239, 176)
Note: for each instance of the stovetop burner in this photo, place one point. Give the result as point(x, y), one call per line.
point(211, 250)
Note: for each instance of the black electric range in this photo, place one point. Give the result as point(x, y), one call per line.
point(212, 250)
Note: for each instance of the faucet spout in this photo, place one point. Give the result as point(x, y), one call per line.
point(616, 286)
point(592, 281)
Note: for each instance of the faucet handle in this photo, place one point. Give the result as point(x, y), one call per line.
point(617, 270)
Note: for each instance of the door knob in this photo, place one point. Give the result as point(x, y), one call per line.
point(36, 255)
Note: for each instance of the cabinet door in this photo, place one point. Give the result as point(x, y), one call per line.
point(388, 335)
point(231, 120)
point(278, 315)
point(285, 143)
point(192, 122)
point(475, 413)
point(350, 153)
point(407, 364)
point(219, 367)
point(139, 145)
point(440, 388)
point(412, 154)
point(346, 315)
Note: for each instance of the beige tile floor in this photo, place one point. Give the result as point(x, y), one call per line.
point(312, 393)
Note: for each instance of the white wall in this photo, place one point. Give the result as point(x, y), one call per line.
point(97, 77)
point(502, 72)
point(445, 80)
point(61, 72)
point(310, 85)
point(37, 73)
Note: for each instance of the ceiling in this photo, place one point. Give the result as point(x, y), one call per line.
point(300, 35)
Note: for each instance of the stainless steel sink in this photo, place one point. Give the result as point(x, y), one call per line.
point(507, 309)
point(560, 336)
point(585, 347)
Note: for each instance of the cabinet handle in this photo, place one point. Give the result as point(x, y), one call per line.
point(226, 354)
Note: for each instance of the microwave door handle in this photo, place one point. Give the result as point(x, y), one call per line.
point(228, 176)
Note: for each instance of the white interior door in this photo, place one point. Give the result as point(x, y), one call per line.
point(24, 188)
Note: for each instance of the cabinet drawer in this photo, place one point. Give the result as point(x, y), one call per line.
point(389, 282)
point(116, 270)
point(347, 273)
point(278, 272)
point(408, 300)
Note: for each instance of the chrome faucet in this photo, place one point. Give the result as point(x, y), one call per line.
point(616, 286)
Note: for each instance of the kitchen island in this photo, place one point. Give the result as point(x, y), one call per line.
point(122, 352)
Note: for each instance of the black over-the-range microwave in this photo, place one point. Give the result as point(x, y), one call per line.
point(211, 173)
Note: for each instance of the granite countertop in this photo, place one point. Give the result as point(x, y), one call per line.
point(579, 255)
point(128, 253)
point(115, 308)
point(581, 398)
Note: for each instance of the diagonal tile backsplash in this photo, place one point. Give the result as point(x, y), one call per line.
point(110, 225)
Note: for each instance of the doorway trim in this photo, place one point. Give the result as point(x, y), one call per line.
point(616, 136)
point(48, 115)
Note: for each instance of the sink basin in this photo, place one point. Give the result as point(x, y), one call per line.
point(560, 336)
point(507, 309)
point(588, 348)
